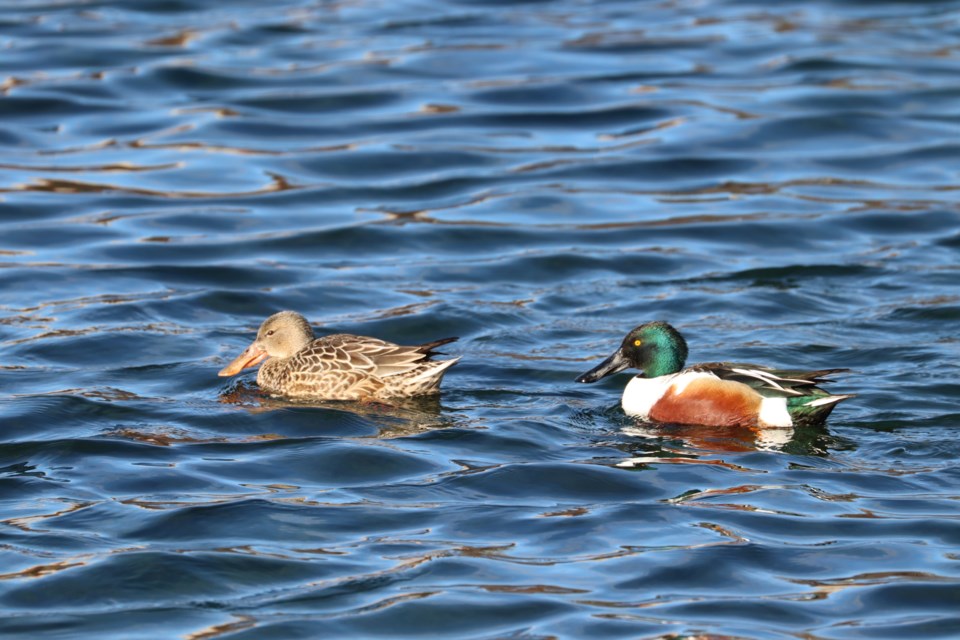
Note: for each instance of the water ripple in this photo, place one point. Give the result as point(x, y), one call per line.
point(535, 178)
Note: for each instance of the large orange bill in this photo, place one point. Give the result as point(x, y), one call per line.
point(251, 356)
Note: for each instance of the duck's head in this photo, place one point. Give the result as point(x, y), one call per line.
point(280, 336)
point(655, 347)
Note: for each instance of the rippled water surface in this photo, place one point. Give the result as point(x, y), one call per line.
point(779, 180)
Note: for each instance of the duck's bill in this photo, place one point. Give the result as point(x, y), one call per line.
point(614, 364)
point(251, 356)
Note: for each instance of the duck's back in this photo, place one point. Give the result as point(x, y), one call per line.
point(348, 367)
point(732, 394)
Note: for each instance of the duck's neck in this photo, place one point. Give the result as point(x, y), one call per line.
point(273, 373)
point(666, 360)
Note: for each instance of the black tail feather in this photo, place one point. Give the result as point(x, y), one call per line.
point(821, 375)
point(428, 348)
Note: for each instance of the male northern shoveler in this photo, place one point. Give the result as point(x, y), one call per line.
point(339, 366)
point(717, 393)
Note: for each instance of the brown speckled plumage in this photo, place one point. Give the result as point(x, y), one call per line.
point(339, 366)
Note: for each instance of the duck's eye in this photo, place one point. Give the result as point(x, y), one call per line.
point(270, 333)
point(636, 343)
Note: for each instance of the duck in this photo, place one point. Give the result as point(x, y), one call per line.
point(341, 366)
point(715, 394)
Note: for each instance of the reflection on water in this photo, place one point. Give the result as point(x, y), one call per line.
point(803, 441)
point(394, 418)
point(719, 438)
point(778, 182)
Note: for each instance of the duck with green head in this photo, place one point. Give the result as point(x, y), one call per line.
point(715, 394)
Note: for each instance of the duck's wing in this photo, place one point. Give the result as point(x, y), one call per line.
point(772, 382)
point(349, 385)
point(343, 352)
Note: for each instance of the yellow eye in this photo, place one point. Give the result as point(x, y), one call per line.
point(637, 343)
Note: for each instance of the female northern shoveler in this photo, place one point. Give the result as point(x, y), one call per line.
point(339, 366)
point(717, 393)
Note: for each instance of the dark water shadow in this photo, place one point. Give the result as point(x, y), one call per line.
point(394, 418)
point(814, 441)
point(650, 441)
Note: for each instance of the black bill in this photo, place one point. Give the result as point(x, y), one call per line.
point(614, 364)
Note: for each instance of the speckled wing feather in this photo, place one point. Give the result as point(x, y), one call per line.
point(344, 352)
point(348, 367)
point(341, 385)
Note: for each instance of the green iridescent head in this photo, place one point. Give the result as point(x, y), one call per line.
point(655, 347)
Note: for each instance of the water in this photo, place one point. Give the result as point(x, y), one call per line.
point(779, 182)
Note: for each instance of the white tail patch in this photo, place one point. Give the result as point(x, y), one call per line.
point(773, 413)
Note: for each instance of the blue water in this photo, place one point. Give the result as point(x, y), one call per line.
point(779, 181)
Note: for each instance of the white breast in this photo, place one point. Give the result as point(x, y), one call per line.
point(642, 393)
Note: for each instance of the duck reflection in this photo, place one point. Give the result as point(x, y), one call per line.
point(809, 441)
point(652, 441)
point(735, 439)
point(394, 418)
